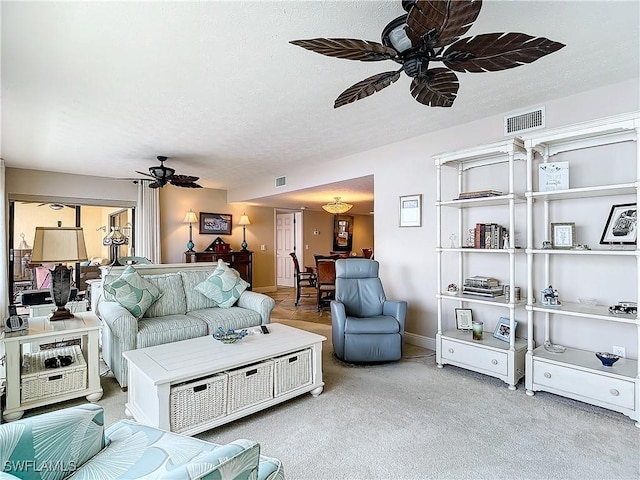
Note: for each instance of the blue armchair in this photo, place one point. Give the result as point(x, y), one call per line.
point(366, 327)
point(72, 442)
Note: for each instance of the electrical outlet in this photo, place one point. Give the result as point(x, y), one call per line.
point(263, 247)
point(620, 351)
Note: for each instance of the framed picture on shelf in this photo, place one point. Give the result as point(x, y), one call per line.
point(464, 318)
point(503, 329)
point(215, 224)
point(621, 226)
point(411, 211)
point(563, 235)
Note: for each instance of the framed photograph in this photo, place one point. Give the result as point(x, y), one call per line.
point(621, 225)
point(464, 318)
point(215, 224)
point(503, 329)
point(563, 235)
point(411, 211)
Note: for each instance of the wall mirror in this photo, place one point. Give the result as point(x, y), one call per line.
point(342, 233)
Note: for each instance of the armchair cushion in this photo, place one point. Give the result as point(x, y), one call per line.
point(224, 286)
point(132, 292)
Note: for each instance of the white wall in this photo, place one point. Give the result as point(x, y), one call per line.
point(407, 255)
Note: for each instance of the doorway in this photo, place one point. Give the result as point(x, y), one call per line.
point(289, 238)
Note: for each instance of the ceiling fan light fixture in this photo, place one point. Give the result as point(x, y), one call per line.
point(394, 35)
point(337, 207)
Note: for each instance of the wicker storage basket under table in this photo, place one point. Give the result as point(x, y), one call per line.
point(39, 382)
point(292, 371)
point(250, 385)
point(197, 401)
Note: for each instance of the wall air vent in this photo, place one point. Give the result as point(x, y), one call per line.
point(281, 181)
point(524, 121)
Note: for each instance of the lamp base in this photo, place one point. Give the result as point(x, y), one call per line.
point(244, 245)
point(61, 313)
point(190, 246)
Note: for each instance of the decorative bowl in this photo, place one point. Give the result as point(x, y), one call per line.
point(607, 359)
point(229, 336)
point(591, 302)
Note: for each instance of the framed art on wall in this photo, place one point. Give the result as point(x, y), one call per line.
point(215, 224)
point(411, 211)
point(621, 226)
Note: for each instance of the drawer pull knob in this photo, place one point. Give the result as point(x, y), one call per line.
point(494, 361)
point(615, 392)
point(547, 375)
point(451, 350)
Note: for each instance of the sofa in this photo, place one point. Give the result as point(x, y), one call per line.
point(73, 443)
point(181, 312)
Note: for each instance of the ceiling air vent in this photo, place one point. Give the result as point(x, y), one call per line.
point(525, 121)
point(281, 181)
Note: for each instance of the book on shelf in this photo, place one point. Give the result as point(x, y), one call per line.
point(479, 194)
point(489, 235)
point(484, 292)
point(481, 282)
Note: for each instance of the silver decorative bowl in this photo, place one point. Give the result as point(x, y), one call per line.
point(607, 359)
point(229, 336)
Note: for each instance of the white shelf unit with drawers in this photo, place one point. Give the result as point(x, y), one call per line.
point(577, 373)
point(490, 356)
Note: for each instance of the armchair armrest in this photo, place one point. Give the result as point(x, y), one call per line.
point(74, 435)
point(338, 320)
point(258, 302)
point(396, 309)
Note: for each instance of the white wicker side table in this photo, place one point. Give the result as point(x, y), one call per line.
point(84, 325)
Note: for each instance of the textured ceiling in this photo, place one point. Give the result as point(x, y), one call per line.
point(102, 88)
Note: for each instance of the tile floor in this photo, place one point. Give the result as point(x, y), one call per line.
point(306, 310)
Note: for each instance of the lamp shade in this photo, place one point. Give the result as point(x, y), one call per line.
point(58, 244)
point(115, 237)
point(244, 220)
point(337, 206)
point(190, 217)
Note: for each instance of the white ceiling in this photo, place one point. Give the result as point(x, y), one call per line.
point(102, 88)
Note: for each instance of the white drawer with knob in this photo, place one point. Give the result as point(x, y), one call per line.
point(482, 358)
point(592, 385)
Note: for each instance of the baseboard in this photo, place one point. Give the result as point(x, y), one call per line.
point(269, 289)
point(420, 340)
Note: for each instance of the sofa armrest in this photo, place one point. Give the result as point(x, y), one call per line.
point(121, 323)
point(396, 309)
point(73, 436)
point(258, 302)
point(237, 460)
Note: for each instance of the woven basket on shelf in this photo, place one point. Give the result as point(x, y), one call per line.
point(292, 371)
point(250, 385)
point(198, 401)
point(39, 382)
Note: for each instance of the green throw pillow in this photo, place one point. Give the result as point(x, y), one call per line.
point(133, 292)
point(224, 286)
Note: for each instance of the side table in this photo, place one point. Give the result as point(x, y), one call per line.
point(85, 325)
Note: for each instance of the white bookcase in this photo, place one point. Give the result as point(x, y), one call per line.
point(497, 161)
point(577, 373)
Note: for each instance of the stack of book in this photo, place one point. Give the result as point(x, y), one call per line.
point(479, 194)
point(482, 286)
point(489, 235)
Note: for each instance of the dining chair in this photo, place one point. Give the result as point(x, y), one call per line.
point(367, 253)
point(302, 279)
point(325, 279)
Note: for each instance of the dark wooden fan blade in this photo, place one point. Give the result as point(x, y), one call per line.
point(348, 48)
point(492, 52)
point(185, 184)
point(366, 87)
point(184, 181)
point(145, 174)
point(155, 185)
point(437, 89)
point(448, 19)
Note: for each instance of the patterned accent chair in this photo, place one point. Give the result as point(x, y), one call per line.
point(366, 327)
point(73, 443)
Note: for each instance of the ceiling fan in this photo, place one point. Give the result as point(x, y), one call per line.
point(163, 175)
point(430, 32)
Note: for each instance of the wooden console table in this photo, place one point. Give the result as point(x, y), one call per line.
point(241, 261)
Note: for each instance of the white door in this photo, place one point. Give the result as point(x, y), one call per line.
point(284, 246)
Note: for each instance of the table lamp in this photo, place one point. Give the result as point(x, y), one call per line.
point(114, 239)
point(190, 218)
point(244, 221)
point(57, 245)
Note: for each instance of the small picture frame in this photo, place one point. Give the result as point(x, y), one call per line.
point(215, 223)
point(411, 211)
point(622, 225)
point(464, 318)
point(563, 235)
point(503, 329)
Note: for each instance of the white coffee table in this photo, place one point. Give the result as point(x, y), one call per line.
point(154, 370)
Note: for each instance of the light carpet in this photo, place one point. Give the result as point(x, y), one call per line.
point(411, 420)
